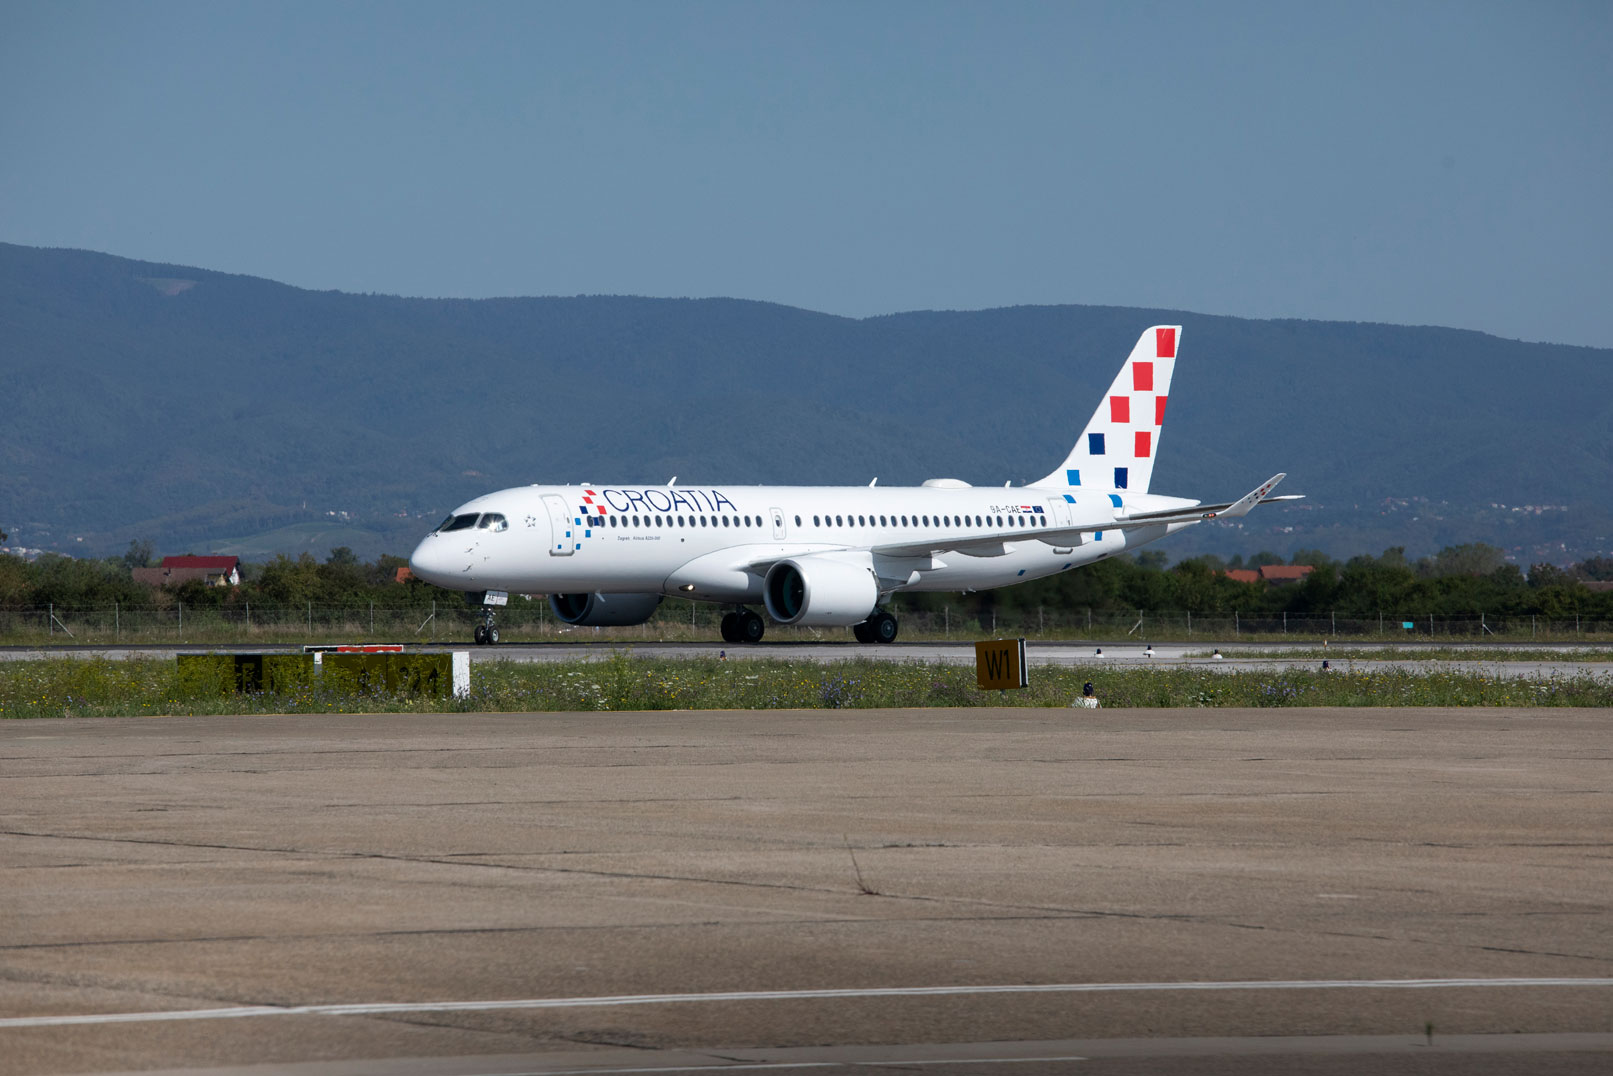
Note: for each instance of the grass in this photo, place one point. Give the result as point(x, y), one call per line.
point(72, 687)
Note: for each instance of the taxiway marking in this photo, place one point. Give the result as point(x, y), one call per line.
point(389, 1008)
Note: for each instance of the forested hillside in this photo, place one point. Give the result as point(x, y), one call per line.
point(191, 408)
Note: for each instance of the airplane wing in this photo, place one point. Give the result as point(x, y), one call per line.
point(1261, 494)
point(995, 545)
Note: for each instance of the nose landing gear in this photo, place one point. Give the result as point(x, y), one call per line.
point(743, 626)
point(487, 632)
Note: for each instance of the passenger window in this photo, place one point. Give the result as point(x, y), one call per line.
point(797, 521)
point(840, 521)
point(817, 522)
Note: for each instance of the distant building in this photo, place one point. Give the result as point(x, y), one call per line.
point(213, 571)
point(403, 574)
point(1269, 573)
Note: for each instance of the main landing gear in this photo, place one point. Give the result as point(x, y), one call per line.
point(487, 631)
point(878, 628)
point(743, 626)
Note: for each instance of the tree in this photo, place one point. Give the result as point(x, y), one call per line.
point(1471, 558)
point(1599, 569)
point(1549, 575)
point(138, 555)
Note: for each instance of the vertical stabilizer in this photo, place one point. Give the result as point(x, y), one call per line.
point(1117, 449)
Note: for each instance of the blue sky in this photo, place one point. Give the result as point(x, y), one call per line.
point(1417, 163)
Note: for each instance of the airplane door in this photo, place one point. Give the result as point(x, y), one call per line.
point(562, 539)
point(1058, 510)
point(778, 522)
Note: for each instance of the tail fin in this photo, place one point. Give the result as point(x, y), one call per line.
point(1117, 449)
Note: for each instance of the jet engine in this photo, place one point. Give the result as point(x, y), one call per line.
point(603, 610)
point(819, 592)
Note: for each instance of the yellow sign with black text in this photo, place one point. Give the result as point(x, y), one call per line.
point(1000, 664)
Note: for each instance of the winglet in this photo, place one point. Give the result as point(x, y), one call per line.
point(1243, 505)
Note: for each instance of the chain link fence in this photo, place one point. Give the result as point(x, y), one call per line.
point(678, 619)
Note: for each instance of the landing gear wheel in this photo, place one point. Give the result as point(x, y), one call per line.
point(730, 628)
point(882, 628)
point(751, 626)
point(486, 632)
point(863, 632)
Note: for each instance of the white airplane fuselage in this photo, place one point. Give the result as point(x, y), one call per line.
point(708, 542)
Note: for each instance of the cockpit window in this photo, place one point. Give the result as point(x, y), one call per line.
point(493, 521)
point(458, 523)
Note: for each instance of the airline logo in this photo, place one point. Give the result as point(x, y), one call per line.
point(656, 500)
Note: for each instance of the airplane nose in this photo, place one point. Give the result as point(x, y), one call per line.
point(429, 561)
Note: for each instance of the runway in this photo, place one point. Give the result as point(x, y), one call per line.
point(1545, 661)
point(952, 891)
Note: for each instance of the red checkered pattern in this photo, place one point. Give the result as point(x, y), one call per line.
point(1165, 343)
point(590, 507)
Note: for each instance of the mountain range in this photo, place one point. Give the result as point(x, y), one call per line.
point(204, 411)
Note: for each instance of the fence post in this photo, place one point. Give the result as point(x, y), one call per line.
point(117, 623)
point(1285, 621)
point(310, 618)
point(1334, 616)
point(51, 621)
point(372, 618)
point(181, 619)
point(1235, 631)
point(248, 616)
point(1190, 623)
point(946, 619)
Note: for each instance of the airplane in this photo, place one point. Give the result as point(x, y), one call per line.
point(823, 556)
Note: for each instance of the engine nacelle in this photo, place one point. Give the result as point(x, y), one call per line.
point(604, 610)
point(819, 592)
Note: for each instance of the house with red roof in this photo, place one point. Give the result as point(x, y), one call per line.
point(214, 571)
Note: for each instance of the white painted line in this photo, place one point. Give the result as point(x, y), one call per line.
point(754, 1066)
point(388, 1008)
